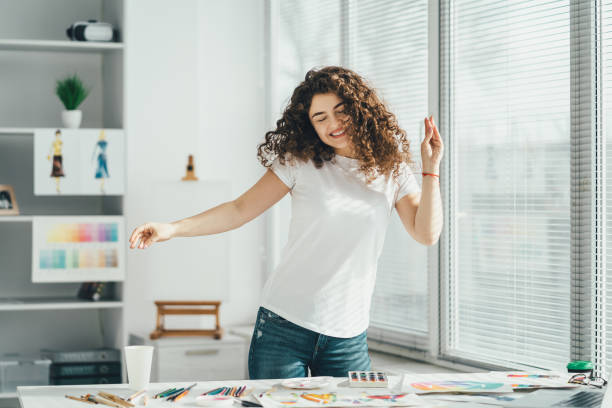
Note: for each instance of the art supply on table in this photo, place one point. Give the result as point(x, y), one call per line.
point(532, 376)
point(164, 393)
point(246, 403)
point(307, 383)
point(214, 400)
point(368, 379)
point(181, 394)
point(116, 399)
point(104, 401)
point(173, 393)
point(136, 395)
point(82, 399)
point(145, 399)
point(229, 391)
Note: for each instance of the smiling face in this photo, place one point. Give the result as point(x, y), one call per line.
point(330, 122)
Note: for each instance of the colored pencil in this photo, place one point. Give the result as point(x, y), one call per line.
point(173, 393)
point(133, 396)
point(161, 394)
point(211, 391)
point(182, 394)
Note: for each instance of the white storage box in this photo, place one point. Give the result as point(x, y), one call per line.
point(196, 358)
point(23, 369)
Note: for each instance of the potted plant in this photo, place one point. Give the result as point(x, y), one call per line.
point(72, 93)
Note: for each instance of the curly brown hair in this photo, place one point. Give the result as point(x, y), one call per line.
point(380, 144)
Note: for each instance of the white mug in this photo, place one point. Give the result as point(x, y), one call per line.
point(138, 362)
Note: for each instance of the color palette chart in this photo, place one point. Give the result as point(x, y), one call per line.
point(77, 249)
point(86, 232)
point(78, 258)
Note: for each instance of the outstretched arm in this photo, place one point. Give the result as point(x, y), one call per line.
point(224, 217)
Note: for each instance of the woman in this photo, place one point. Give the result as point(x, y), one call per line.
point(344, 159)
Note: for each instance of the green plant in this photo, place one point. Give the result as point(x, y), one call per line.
point(71, 91)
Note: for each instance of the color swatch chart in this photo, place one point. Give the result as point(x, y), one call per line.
point(85, 232)
point(76, 258)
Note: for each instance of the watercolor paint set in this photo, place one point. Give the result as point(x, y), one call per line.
point(368, 379)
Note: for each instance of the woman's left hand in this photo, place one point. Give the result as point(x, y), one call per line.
point(431, 148)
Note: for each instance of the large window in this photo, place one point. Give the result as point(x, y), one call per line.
point(509, 112)
point(525, 92)
point(372, 38)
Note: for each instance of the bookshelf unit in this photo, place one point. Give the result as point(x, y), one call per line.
point(34, 53)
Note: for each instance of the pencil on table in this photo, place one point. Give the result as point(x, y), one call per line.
point(133, 396)
point(80, 399)
point(116, 399)
point(182, 394)
point(104, 401)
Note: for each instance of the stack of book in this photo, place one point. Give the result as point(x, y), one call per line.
point(99, 366)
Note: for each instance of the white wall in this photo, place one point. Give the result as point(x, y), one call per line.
point(194, 85)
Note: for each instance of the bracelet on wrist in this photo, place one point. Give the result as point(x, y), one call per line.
point(431, 174)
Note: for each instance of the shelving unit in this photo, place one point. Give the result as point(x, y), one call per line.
point(33, 56)
point(55, 304)
point(57, 46)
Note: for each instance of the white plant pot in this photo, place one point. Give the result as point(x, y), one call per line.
point(72, 118)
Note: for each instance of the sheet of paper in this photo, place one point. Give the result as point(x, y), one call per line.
point(281, 397)
point(452, 382)
point(492, 382)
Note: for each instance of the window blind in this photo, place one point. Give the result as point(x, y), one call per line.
point(388, 45)
point(386, 42)
point(509, 118)
point(606, 60)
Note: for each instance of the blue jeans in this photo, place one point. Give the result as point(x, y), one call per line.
point(281, 349)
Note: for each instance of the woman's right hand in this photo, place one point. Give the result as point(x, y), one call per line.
point(146, 234)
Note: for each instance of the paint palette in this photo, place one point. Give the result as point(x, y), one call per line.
point(307, 383)
point(368, 379)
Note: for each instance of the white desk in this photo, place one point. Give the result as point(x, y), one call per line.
point(54, 396)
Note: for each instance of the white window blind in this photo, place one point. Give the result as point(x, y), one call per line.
point(509, 110)
point(386, 42)
point(606, 54)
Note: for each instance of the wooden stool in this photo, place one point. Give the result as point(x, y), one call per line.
point(174, 308)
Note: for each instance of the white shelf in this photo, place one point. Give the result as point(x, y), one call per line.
point(16, 131)
point(30, 131)
point(16, 218)
point(59, 46)
point(56, 304)
point(8, 395)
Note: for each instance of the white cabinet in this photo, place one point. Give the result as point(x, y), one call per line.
point(34, 53)
point(196, 358)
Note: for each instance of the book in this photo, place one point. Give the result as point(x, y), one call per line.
point(83, 356)
point(115, 379)
point(84, 370)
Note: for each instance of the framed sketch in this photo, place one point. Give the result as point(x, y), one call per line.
point(79, 161)
point(8, 202)
point(78, 249)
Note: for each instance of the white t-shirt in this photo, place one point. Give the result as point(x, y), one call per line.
point(325, 278)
